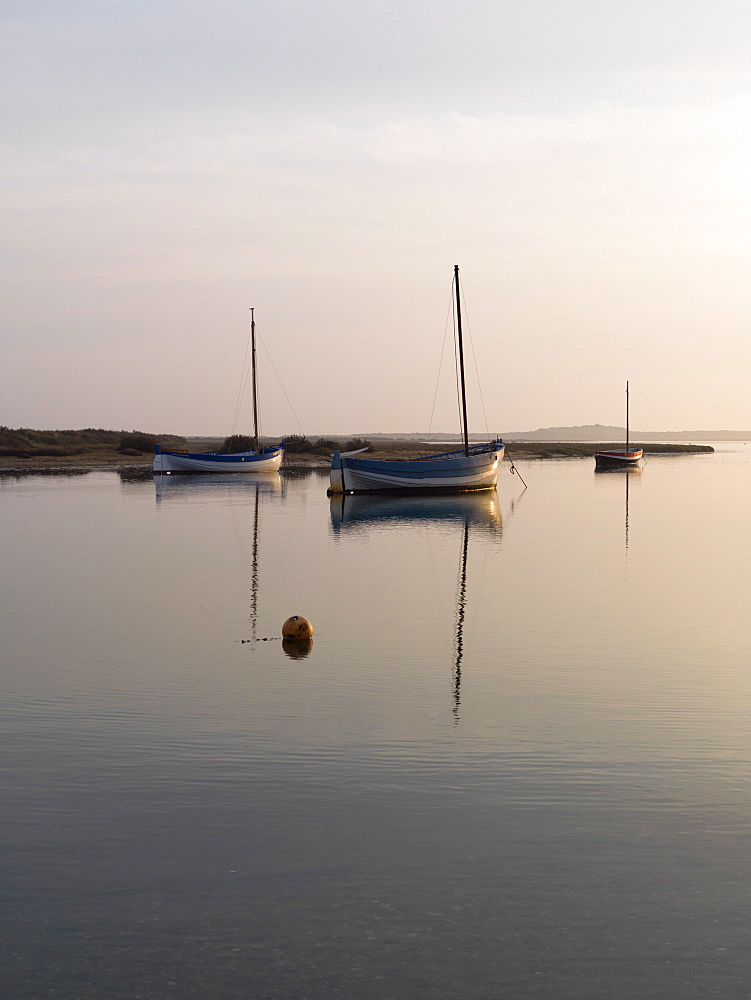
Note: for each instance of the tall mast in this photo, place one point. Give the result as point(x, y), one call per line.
point(253, 369)
point(461, 358)
point(627, 415)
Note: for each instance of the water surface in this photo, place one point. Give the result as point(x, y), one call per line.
point(515, 761)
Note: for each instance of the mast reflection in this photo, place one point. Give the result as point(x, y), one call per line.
point(254, 572)
point(229, 489)
point(627, 473)
point(473, 513)
point(461, 608)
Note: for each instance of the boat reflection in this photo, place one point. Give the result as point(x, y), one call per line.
point(473, 513)
point(633, 470)
point(174, 486)
point(249, 491)
point(359, 512)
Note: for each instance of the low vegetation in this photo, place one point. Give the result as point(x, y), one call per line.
point(136, 442)
point(95, 447)
point(355, 444)
point(298, 444)
point(26, 443)
point(236, 442)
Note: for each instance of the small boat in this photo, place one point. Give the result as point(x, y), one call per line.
point(266, 459)
point(474, 467)
point(617, 458)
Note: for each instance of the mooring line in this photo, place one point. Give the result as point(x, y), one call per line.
point(515, 471)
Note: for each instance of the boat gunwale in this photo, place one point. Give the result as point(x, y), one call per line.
point(454, 463)
point(229, 456)
point(620, 453)
point(410, 491)
point(474, 449)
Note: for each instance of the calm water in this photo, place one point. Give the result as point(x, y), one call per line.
point(515, 762)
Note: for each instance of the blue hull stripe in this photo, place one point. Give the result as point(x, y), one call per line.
point(223, 458)
point(441, 469)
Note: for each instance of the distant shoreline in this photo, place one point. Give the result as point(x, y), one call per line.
point(383, 449)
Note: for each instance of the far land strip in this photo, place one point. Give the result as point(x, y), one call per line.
point(70, 451)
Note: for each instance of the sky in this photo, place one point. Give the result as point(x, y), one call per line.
point(168, 165)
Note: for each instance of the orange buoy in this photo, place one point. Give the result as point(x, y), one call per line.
point(297, 627)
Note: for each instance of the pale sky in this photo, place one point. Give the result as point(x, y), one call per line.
point(167, 165)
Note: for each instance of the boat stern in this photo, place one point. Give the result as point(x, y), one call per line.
point(336, 476)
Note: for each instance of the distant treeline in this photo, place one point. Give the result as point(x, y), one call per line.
point(26, 443)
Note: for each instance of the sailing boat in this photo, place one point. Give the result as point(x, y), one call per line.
point(619, 457)
point(475, 467)
point(266, 459)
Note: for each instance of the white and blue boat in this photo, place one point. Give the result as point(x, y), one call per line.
point(474, 467)
point(259, 459)
point(264, 460)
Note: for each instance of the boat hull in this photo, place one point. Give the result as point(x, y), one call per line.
point(268, 460)
point(452, 472)
point(618, 458)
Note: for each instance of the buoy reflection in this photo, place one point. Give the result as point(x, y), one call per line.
point(297, 649)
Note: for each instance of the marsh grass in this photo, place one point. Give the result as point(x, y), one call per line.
point(236, 442)
point(298, 444)
point(24, 442)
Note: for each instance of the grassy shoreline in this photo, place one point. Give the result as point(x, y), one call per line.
point(110, 458)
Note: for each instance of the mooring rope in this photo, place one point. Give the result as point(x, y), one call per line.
point(515, 471)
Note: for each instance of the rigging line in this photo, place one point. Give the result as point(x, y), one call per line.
point(246, 375)
point(474, 359)
point(440, 367)
point(456, 377)
point(241, 387)
point(273, 367)
point(257, 389)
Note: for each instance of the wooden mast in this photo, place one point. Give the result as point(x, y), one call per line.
point(255, 386)
point(461, 359)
